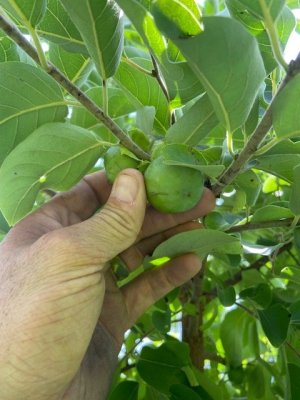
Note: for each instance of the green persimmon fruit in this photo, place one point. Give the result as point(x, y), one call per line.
point(116, 159)
point(173, 188)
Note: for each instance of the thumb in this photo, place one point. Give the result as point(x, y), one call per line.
point(116, 226)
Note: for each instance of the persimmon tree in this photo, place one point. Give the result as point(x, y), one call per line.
point(201, 88)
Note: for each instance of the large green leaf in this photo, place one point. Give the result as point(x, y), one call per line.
point(55, 156)
point(180, 79)
point(294, 373)
point(57, 27)
point(270, 213)
point(29, 98)
point(200, 242)
point(180, 392)
point(101, 27)
point(226, 59)
point(75, 66)
point(162, 367)
point(144, 90)
point(125, 391)
point(286, 109)
point(195, 124)
point(275, 322)
point(31, 11)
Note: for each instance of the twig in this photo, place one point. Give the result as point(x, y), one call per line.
point(13, 32)
point(156, 74)
point(256, 138)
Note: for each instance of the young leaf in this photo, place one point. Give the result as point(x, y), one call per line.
point(31, 11)
point(275, 322)
point(231, 86)
point(57, 27)
point(101, 27)
point(200, 242)
point(144, 90)
point(54, 156)
point(127, 390)
point(195, 124)
point(286, 106)
point(29, 98)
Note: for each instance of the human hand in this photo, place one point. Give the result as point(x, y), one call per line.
point(62, 315)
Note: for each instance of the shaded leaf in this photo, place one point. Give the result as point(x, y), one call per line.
point(55, 156)
point(294, 373)
point(29, 99)
point(278, 165)
point(275, 322)
point(125, 391)
point(295, 192)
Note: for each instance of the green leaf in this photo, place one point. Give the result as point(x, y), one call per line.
point(251, 184)
point(162, 320)
point(29, 99)
point(231, 86)
point(195, 124)
point(57, 27)
point(275, 322)
point(280, 166)
point(231, 334)
point(29, 10)
point(101, 27)
point(226, 296)
point(118, 106)
point(180, 392)
point(200, 242)
point(180, 80)
point(75, 66)
point(291, 273)
point(177, 18)
point(271, 213)
point(125, 391)
point(260, 294)
point(54, 156)
point(144, 90)
point(295, 192)
point(256, 382)
point(286, 106)
point(294, 373)
point(254, 7)
point(162, 367)
point(8, 49)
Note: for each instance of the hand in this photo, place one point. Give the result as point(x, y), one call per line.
point(62, 315)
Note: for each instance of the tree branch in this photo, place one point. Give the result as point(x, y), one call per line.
point(13, 32)
point(256, 138)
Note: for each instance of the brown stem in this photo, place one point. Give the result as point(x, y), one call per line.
point(192, 332)
point(256, 138)
point(13, 32)
point(156, 74)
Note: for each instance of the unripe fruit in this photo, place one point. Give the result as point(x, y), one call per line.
point(116, 159)
point(172, 188)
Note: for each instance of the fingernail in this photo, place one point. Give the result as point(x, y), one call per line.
point(125, 188)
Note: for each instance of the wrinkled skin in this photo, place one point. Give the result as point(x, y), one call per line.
point(62, 316)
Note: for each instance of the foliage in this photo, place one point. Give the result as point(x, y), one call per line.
point(203, 87)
